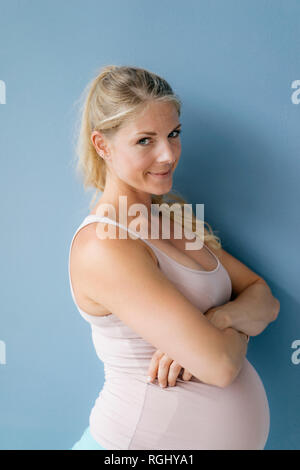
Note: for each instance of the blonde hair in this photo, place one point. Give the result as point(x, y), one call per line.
point(115, 95)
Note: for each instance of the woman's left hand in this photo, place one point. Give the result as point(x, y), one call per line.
point(166, 369)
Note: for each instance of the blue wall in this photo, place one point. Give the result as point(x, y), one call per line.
point(233, 64)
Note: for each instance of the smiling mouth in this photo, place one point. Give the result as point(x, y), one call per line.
point(160, 175)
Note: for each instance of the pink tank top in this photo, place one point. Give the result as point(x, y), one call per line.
point(130, 413)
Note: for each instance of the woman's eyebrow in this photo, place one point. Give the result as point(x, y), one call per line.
point(154, 133)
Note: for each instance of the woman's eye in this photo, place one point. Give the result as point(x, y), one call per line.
point(141, 140)
point(178, 132)
point(148, 138)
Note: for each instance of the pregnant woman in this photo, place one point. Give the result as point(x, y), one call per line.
point(181, 316)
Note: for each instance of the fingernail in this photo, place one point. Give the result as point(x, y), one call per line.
point(149, 378)
point(161, 385)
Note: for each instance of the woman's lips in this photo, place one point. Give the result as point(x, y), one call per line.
point(161, 175)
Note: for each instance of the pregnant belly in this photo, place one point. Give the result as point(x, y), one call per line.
point(197, 416)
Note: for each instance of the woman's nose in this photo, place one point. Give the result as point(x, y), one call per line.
point(166, 155)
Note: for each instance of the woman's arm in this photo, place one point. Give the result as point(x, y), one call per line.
point(250, 312)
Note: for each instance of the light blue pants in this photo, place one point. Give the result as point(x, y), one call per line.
point(87, 442)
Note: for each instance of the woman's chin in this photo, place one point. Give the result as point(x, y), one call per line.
point(157, 192)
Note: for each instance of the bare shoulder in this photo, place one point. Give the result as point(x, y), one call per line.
point(89, 243)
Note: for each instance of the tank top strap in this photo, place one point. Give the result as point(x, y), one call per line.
point(96, 218)
point(86, 221)
point(157, 252)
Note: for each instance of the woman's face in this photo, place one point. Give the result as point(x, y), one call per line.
point(135, 155)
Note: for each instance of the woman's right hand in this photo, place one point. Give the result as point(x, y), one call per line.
point(219, 318)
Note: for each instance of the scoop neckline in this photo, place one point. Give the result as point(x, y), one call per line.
point(162, 252)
